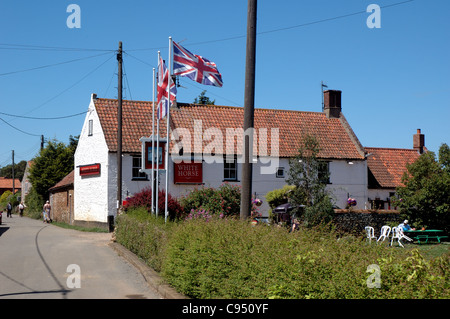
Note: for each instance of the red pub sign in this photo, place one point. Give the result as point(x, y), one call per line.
point(89, 170)
point(188, 173)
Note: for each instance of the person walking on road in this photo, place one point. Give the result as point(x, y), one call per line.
point(47, 208)
point(8, 210)
point(21, 208)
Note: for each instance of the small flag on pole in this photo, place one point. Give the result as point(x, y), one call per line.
point(163, 80)
point(195, 67)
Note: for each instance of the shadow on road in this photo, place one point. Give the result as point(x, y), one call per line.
point(3, 229)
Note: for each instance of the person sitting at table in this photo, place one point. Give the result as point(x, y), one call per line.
point(405, 227)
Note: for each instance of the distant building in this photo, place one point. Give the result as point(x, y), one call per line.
point(386, 167)
point(26, 184)
point(8, 184)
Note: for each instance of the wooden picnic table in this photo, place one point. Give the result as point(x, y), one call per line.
point(425, 235)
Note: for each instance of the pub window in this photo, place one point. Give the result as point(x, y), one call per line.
point(324, 172)
point(91, 128)
point(136, 174)
point(280, 172)
point(230, 168)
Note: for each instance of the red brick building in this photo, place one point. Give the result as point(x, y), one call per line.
point(61, 199)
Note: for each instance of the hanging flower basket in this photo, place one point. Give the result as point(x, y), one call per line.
point(351, 202)
point(257, 201)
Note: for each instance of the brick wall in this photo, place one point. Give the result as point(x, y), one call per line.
point(354, 221)
point(62, 205)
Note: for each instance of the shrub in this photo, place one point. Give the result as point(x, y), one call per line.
point(279, 196)
point(227, 258)
point(144, 234)
point(144, 199)
point(224, 200)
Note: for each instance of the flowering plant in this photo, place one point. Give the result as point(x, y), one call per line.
point(351, 201)
point(256, 201)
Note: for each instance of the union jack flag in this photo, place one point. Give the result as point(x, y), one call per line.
point(163, 80)
point(195, 67)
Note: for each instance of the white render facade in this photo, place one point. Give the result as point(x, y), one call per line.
point(95, 196)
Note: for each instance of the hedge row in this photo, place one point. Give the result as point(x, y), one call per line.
point(232, 259)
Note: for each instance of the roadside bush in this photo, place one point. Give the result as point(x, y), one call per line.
point(227, 258)
point(34, 204)
point(143, 234)
point(144, 199)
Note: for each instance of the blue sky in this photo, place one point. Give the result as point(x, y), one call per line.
point(394, 79)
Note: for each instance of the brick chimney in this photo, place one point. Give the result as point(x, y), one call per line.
point(419, 141)
point(332, 103)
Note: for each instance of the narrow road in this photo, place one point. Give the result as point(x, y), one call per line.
point(43, 261)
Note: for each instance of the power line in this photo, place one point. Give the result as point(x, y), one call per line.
point(281, 29)
point(43, 118)
point(51, 65)
point(25, 47)
point(77, 82)
point(51, 99)
point(18, 129)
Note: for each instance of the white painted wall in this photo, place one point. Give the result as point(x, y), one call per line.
point(91, 192)
point(349, 180)
point(96, 196)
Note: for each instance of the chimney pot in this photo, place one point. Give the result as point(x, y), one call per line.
point(419, 141)
point(332, 103)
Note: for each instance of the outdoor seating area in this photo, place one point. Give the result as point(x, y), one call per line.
point(425, 235)
point(420, 236)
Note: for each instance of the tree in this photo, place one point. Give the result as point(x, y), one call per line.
point(425, 196)
point(203, 100)
point(53, 163)
point(309, 176)
point(19, 169)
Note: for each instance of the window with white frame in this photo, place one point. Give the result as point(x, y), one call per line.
point(230, 168)
point(136, 174)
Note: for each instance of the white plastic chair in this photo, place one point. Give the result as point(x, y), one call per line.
point(370, 233)
point(397, 233)
point(385, 231)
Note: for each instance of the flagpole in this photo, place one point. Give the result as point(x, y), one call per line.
point(153, 144)
point(168, 126)
point(157, 151)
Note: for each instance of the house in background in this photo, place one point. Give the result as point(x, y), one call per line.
point(9, 184)
point(61, 200)
point(207, 138)
point(386, 167)
point(26, 184)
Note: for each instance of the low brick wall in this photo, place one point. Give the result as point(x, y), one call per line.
point(354, 221)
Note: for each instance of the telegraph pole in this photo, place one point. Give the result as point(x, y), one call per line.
point(249, 110)
point(119, 130)
point(14, 187)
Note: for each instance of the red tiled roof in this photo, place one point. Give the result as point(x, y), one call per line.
point(388, 164)
point(65, 182)
point(334, 135)
point(7, 183)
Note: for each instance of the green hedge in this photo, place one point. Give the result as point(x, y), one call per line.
point(232, 259)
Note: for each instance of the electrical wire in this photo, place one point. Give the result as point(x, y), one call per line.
point(18, 129)
point(10, 46)
point(280, 29)
point(43, 118)
point(76, 83)
point(51, 65)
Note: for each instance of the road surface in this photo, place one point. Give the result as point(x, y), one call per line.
point(43, 261)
